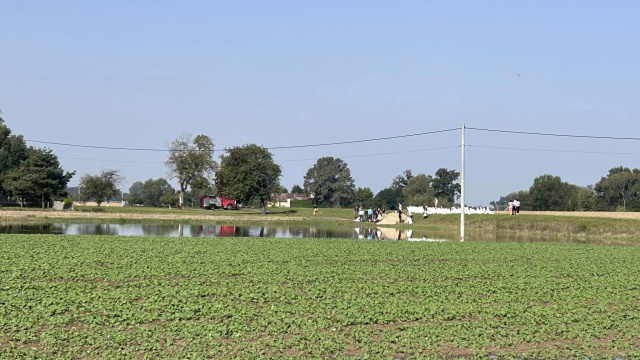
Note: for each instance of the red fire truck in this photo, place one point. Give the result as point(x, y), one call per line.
point(211, 202)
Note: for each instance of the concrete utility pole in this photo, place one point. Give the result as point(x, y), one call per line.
point(462, 191)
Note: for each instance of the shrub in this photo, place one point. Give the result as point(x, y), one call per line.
point(68, 203)
point(302, 203)
point(92, 209)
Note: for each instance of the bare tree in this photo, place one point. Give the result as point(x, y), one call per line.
point(102, 186)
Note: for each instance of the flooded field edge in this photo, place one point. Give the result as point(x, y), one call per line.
point(287, 231)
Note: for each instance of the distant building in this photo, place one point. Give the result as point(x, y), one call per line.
point(285, 199)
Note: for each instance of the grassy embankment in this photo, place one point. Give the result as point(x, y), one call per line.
point(603, 225)
point(116, 298)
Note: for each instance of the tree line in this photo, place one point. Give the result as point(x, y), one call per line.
point(29, 174)
point(248, 173)
point(618, 190)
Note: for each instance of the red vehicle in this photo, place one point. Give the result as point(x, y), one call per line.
point(211, 202)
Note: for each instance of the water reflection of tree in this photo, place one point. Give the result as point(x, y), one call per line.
point(194, 230)
point(97, 229)
point(158, 230)
point(20, 228)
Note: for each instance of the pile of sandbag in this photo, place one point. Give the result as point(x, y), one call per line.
point(392, 219)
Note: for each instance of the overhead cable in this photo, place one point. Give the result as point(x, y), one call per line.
point(308, 159)
point(553, 150)
point(361, 141)
point(379, 154)
point(555, 134)
point(111, 160)
point(269, 148)
point(95, 146)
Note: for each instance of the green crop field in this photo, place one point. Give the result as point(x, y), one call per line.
point(151, 297)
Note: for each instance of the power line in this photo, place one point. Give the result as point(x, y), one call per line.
point(556, 135)
point(361, 141)
point(271, 148)
point(554, 150)
point(95, 146)
point(308, 159)
point(380, 154)
point(120, 161)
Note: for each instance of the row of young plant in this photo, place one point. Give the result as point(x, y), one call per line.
point(619, 190)
point(128, 297)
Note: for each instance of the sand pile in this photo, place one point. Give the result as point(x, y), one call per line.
point(391, 234)
point(392, 219)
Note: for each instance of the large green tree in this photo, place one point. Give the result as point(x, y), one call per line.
point(191, 162)
point(389, 198)
point(444, 185)
point(135, 193)
point(100, 187)
point(364, 197)
point(38, 178)
point(550, 193)
point(587, 198)
point(154, 190)
point(619, 188)
point(521, 195)
point(169, 198)
point(248, 174)
point(330, 182)
point(13, 151)
point(418, 191)
point(403, 179)
point(296, 189)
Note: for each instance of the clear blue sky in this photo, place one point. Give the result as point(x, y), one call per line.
point(141, 73)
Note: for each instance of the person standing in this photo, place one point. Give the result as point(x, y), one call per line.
point(315, 210)
point(370, 214)
point(517, 204)
point(400, 214)
point(510, 206)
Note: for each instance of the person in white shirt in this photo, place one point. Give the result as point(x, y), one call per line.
point(516, 204)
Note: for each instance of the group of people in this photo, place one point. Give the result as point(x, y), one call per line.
point(410, 215)
point(514, 207)
point(371, 215)
point(375, 215)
